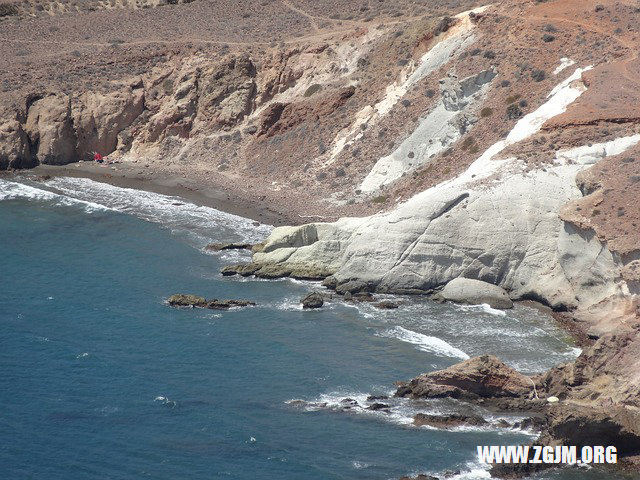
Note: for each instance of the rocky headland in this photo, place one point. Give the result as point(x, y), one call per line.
point(474, 153)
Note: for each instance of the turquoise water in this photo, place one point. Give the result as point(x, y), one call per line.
point(101, 379)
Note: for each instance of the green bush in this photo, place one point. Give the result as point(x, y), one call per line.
point(379, 199)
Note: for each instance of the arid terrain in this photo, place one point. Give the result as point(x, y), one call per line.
point(496, 142)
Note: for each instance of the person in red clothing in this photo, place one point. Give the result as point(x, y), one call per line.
point(97, 157)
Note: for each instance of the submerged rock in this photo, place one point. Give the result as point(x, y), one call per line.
point(378, 406)
point(476, 292)
point(386, 305)
point(420, 477)
point(313, 300)
point(194, 301)
point(217, 247)
point(479, 377)
point(448, 421)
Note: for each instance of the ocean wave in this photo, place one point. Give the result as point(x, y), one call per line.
point(165, 401)
point(484, 308)
point(172, 211)
point(14, 190)
point(425, 343)
point(399, 411)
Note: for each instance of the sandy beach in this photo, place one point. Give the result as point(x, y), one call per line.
point(127, 176)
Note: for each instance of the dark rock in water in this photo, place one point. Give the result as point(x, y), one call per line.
point(313, 300)
point(181, 300)
point(386, 305)
point(531, 423)
point(448, 421)
point(194, 301)
point(377, 406)
point(275, 270)
point(216, 247)
point(420, 477)
point(348, 297)
point(244, 270)
point(479, 377)
point(216, 304)
point(502, 423)
point(363, 297)
point(373, 398)
point(349, 401)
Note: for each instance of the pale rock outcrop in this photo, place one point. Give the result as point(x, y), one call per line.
point(50, 129)
point(440, 128)
point(456, 39)
point(466, 290)
point(99, 118)
point(14, 146)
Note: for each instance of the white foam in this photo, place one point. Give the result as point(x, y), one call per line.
point(165, 401)
point(173, 212)
point(425, 343)
point(82, 355)
point(475, 472)
point(15, 190)
point(484, 307)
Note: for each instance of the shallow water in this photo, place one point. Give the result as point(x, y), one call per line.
point(101, 379)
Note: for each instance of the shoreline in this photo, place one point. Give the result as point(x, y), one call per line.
point(127, 176)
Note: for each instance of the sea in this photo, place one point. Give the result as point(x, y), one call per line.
point(101, 379)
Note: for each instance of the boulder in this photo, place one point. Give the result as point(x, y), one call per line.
point(313, 300)
point(479, 377)
point(475, 292)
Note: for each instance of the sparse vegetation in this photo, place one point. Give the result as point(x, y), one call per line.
point(379, 199)
point(538, 75)
point(315, 88)
point(548, 38)
point(8, 9)
point(513, 98)
point(514, 112)
point(486, 112)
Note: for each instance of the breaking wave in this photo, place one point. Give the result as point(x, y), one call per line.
point(424, 342)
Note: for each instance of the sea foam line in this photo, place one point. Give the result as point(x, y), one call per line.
point(158, 208)
point(15, 190)
point(424, 342)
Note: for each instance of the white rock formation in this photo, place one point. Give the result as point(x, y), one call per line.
point(441, 127)
point(497, 222)
point(454, 42)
